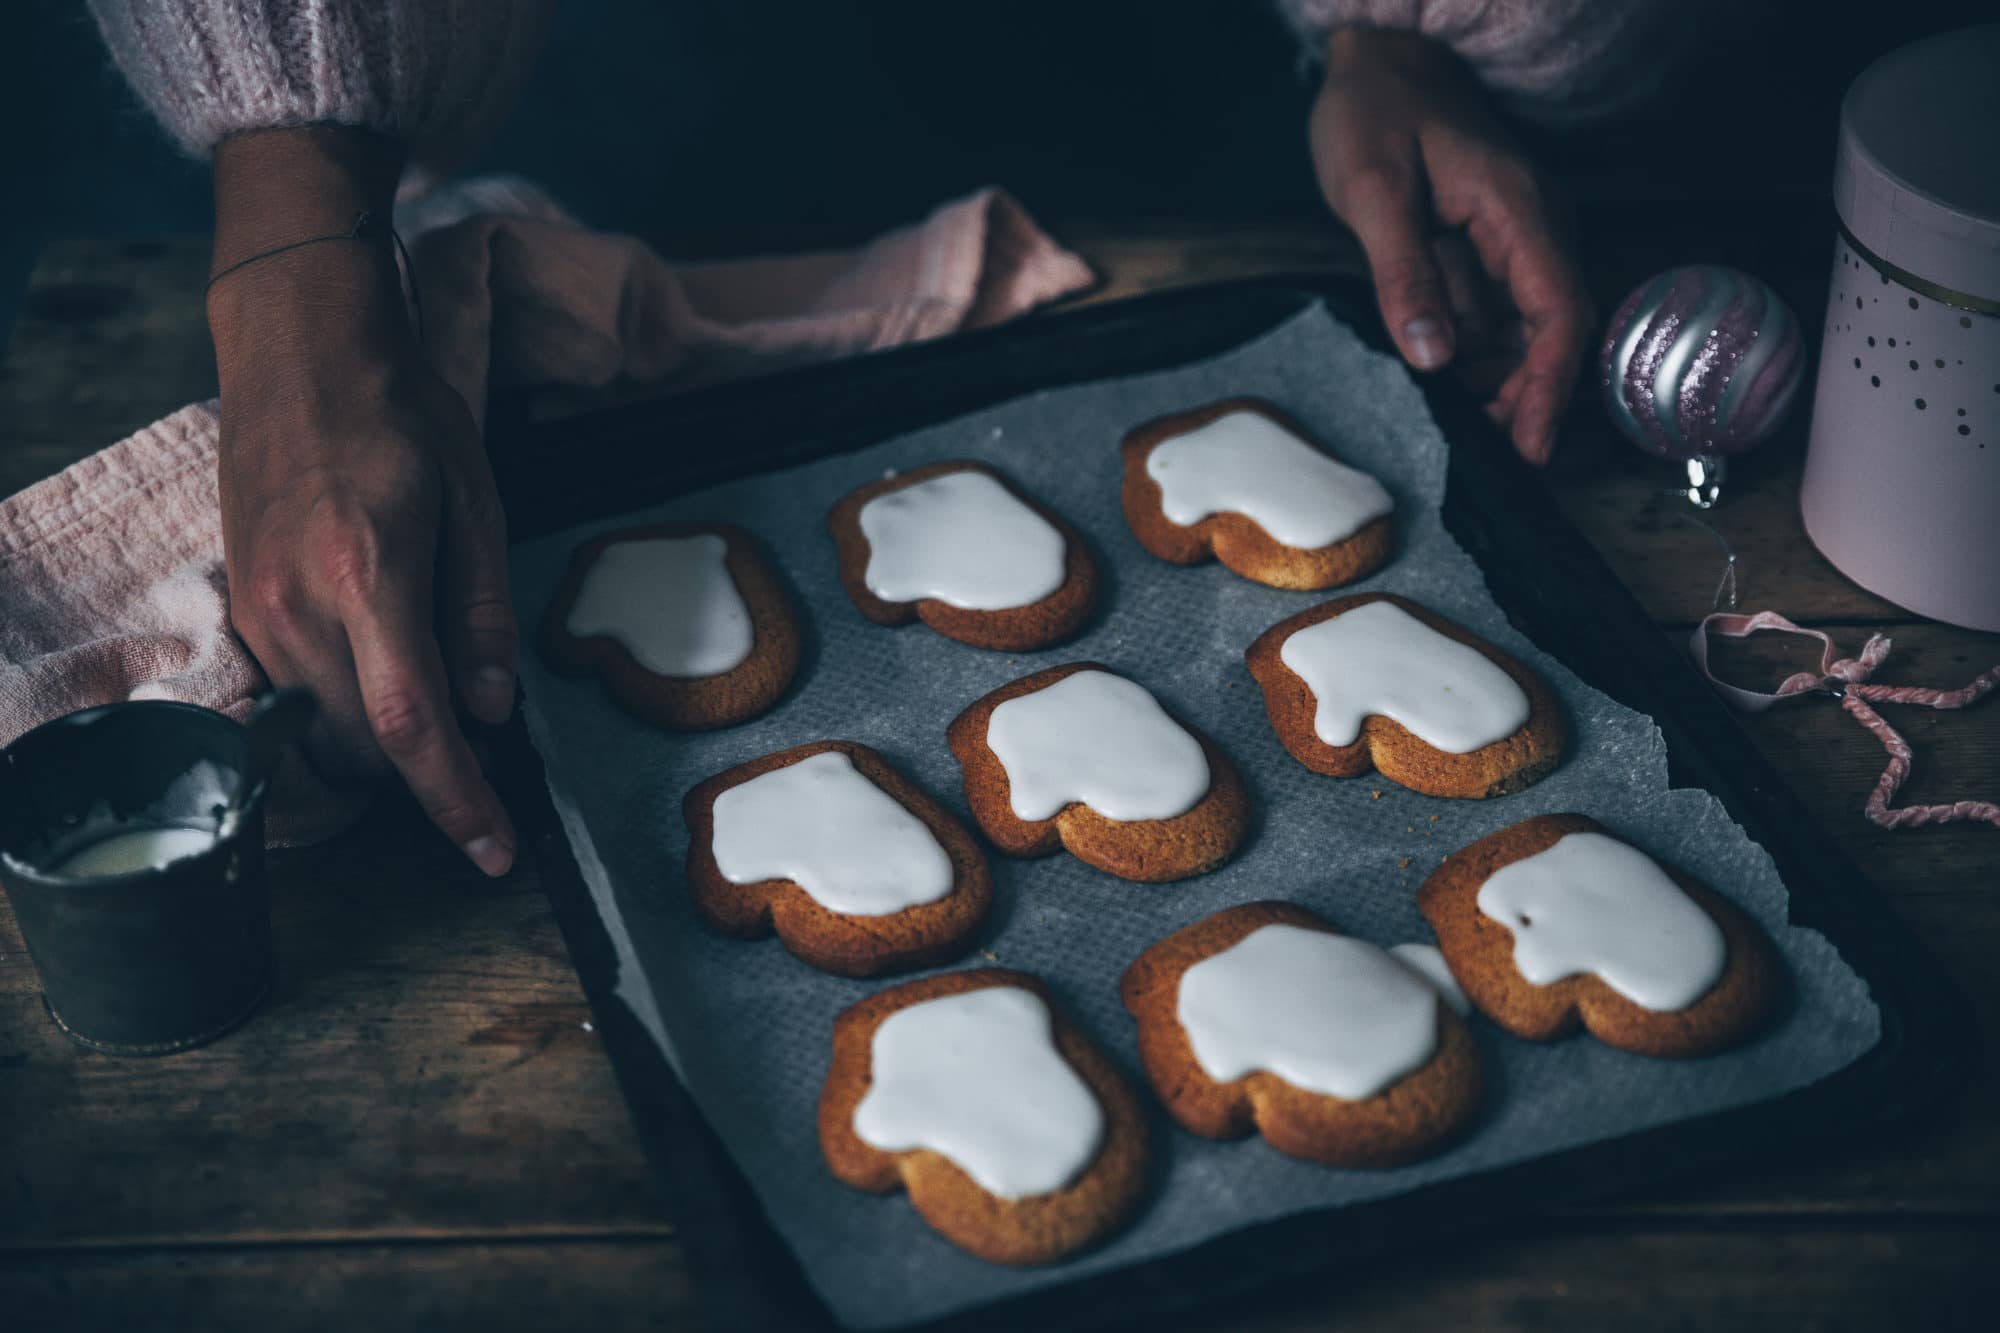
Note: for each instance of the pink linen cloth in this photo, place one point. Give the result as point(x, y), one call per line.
point(111, 572)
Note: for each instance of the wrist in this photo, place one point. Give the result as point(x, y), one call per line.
point(273, 189)
point(1354, 47)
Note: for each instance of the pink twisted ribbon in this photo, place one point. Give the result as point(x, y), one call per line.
point(1846, 679)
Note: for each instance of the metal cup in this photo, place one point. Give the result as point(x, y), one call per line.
point(160, 957)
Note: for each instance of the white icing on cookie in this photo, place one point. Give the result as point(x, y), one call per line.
point(1427, 962)
point(1246, 463)
point(1099, 739)
point(977, 1077)
point(823, 825)
point(1591, 903)
point(1380, 659)
point(963, 539)
point(1326, 1013)
point(670, 601)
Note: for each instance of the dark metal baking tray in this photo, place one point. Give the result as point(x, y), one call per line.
point(1540, 571)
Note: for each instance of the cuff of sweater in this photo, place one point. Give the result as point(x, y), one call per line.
point(1555, 62)
point(429, 74)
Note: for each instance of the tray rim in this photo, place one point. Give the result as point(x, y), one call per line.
point(1535, 561)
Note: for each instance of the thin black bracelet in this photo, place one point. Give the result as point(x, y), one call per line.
point(367, 228)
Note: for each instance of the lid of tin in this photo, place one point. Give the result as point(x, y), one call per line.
point(1914, 177)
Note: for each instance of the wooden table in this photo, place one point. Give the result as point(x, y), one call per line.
point(421, 1128)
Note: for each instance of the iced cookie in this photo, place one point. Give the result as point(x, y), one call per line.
point(1016, 1139)
point(1077, 757)
point(856, 870)
point(1262, 1018)
point(1554, 923)
point(1241, 481)
point(958, 547)
point(1377, 681)
point(686, 624)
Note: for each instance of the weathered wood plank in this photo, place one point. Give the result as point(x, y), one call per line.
point(423, 1068)
point(1544, 1281)
point(112, 335)
point(1832, 763)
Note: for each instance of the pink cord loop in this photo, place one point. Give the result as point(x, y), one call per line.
point(1847, 679)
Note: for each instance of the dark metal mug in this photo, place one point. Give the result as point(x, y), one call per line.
point(159, 957)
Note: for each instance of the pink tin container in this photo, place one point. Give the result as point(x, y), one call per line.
point(1902, 479)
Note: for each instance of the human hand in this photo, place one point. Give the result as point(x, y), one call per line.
point(1461, 235)
point(364, 540)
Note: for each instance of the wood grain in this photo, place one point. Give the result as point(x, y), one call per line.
point(421, 1129)
point(1636, 1280)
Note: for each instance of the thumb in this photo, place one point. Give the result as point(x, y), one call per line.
point(1391, 218)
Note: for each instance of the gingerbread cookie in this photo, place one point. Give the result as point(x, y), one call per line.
point(1016, 1138)
point(1377, 681)
point(686, 624)
point(1263, 1018)
point(1241, 481)
point(856, 870)
point(956, 546)
point(1553, 923)
point(1078, 757)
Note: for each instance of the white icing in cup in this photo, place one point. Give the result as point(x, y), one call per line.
point(963, 539)
point(134, 850)
point(1101, 740)
point(822, 824)
point(1327, 1013)
point(1379, 659)
point(977, 1077)
point(1591, 903)
point(1427, 962)
point(1245, 463)
point(670, 601)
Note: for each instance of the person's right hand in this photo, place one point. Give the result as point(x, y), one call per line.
point(364, 541)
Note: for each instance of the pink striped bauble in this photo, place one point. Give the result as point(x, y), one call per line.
point(1700, 360)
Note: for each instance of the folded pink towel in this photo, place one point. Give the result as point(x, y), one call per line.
point(111, 574)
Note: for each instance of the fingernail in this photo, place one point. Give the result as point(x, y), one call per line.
point(490, 855)
point(493, 693)
point(1429, 348)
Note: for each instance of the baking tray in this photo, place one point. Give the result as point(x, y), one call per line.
point(1539, 570)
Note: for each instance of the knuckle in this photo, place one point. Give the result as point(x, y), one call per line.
point(489, 615)
point(484, 513)
point(273, 600)
point(1407, 279)
point(1379, 182)
point(403, 724)
point(351, 561)
point(456, 817)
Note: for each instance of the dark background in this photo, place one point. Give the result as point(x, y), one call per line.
point(763, 117)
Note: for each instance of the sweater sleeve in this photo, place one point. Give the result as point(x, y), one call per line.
point(1554, 61)
point(437, 73)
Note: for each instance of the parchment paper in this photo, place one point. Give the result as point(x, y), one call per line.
point(748, 1026)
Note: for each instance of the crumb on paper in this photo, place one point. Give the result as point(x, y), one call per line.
point(1403, 864)
point(1434, 819)
point(1374, 795)
point(989, 955)
point(587, 1026)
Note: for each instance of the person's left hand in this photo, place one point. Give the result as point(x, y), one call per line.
point(1460, 232)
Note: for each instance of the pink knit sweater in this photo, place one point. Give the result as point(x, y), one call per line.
point(437, 73)
point(440, 73)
